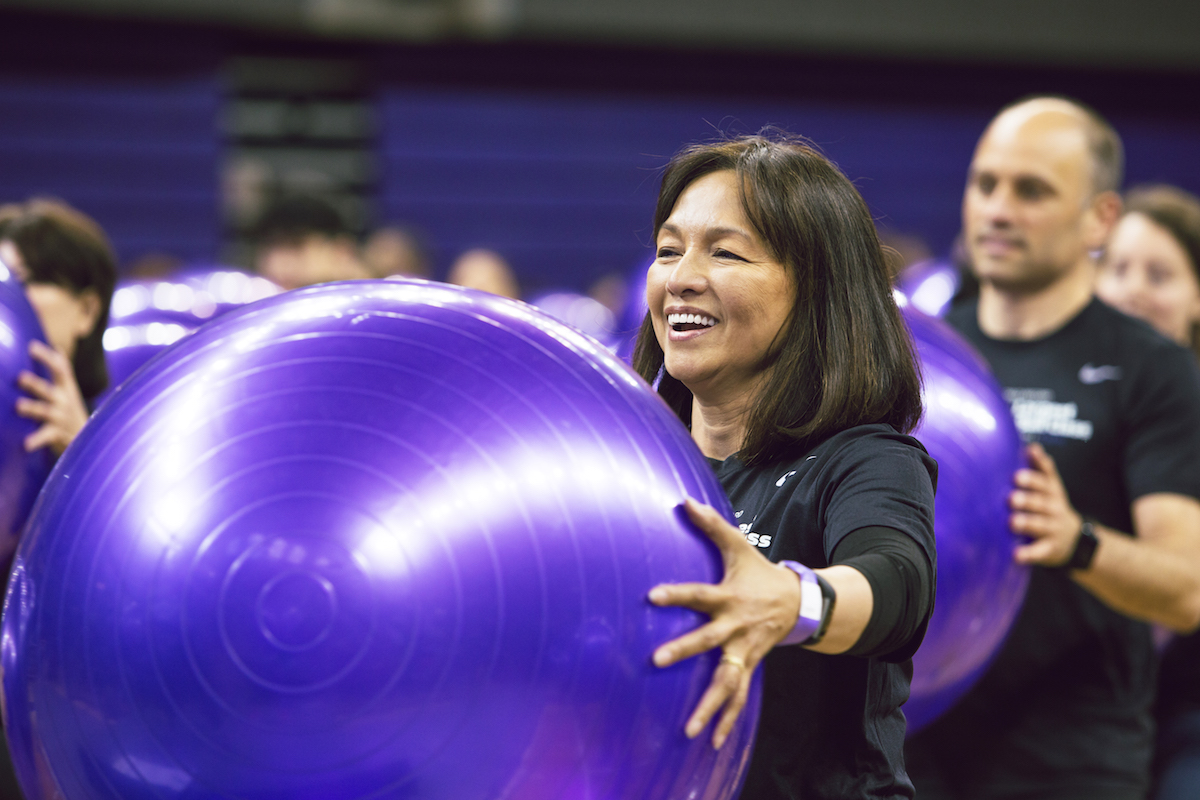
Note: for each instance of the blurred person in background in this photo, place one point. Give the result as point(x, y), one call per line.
point(396, 250)
point(485, 270)
point(1110, 502)
point(302, 241)
point(612, 291)
point(1151, 270)
point(67, 266)
point(152, 267)
point(1151, 266)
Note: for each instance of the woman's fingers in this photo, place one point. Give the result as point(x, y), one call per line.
point(716, 527)
point(35, 385)
point(693, 643)
point(47, 435)
point(34, 409)
point(733, 710)
point(55, 362)
point(704, 597)
point(723, 686)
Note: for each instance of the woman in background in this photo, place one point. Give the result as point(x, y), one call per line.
point(1151, 270)
point(69, 271)
point(1151, 266)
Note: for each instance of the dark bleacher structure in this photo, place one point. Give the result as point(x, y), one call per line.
point(119, 122)
point(547, 153)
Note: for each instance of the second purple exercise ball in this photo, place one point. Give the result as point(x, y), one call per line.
point(21, 473)
point(375, 539)
point(969, 429)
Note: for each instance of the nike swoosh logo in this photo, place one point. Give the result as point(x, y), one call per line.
point(1091, 375)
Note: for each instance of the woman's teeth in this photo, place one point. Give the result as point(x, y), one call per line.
point(690, 322)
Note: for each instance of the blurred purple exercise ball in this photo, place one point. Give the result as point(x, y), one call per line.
point(930, 285)
point(386, 539)
point(21, 474)
point(969, 429)
point(583, 313)
point(148, 316)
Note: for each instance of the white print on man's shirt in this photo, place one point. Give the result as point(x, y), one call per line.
point(1036, 413)
point(1090, 376)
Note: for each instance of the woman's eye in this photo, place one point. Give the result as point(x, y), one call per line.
point(727, 254)
point(1159, 277)
point(666, 252)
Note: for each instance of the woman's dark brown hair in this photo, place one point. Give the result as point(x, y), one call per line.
point(63, 246)
point(844, 356)
point(1178, 213)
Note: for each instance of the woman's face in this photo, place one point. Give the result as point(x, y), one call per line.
point(66, 317)
point(717, 298)
point(1147, 274)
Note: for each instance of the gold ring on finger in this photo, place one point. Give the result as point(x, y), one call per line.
point(727, 658)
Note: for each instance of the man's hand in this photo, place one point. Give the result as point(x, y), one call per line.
point(1042, 511)
point(1153, 575)
point(55, 403)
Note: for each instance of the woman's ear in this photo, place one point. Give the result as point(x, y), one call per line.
point(1101, 219)
point(89, 316)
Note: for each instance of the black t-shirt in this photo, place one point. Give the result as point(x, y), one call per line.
point(1065, 707)
point(831, 726)
point(1179, 680)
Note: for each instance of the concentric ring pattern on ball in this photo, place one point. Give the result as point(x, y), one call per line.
point(367, 540)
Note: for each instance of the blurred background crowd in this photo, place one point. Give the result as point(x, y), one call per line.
point(516, 142)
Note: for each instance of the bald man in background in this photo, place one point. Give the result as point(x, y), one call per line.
point(1110, 502)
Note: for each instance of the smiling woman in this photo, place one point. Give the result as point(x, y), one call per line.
point(773, 333)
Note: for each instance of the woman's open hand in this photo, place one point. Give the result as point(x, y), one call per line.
point(56, 403)
point(752, 609)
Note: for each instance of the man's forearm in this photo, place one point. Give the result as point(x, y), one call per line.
point(1148, 580)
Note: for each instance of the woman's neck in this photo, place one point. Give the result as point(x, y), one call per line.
point(719, 428)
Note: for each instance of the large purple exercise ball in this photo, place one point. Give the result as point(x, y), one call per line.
point(21, 474)
point(386, 539)
point(969, 430)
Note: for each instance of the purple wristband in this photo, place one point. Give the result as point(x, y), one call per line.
point(811, 601)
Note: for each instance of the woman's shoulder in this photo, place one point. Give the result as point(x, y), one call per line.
point(869, 445)
point(876, 448)
point(877, 437)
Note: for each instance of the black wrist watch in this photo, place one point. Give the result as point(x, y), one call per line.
point(828, 599)
point(1085, 548)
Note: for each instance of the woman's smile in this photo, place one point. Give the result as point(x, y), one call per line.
point(688, 323)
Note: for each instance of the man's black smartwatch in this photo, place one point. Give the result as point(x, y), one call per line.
point(1085, 548)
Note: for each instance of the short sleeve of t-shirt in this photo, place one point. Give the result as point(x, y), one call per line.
point(883, 479)
point(1163, 406)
